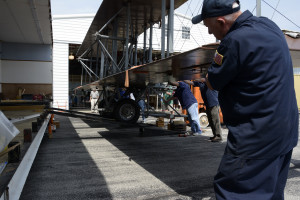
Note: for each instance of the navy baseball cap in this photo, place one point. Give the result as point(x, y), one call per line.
point(215, 8)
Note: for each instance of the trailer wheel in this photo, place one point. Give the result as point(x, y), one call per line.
point(203, 120)
point(127, 110)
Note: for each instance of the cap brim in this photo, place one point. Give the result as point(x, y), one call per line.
point(197, 19)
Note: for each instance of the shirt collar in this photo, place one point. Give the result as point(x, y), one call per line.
point(240, 20)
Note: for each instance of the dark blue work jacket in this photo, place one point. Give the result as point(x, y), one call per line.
point(252, 70)
point(185, 95)
point(210, 97)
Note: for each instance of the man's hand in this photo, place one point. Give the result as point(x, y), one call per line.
point(189, 82)
point(174, 83)
point(203, 80)
point(208, 83)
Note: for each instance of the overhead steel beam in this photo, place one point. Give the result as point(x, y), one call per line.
point(111, 19)
point(127, 36)
point(107, 54)
point(163, 27)
point(88, 70)
point(102, 66)
point(135, 53)
point(88, 50)
point(91, 64)
point(97, 58)
point(150, 42)
point(170, 39)
point(111, 38)
point(81, 77)
point(115, 42)
point(144, 49)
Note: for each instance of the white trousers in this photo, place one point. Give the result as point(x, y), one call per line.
point(94, 105)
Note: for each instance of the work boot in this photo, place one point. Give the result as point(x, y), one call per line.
point(216, 139)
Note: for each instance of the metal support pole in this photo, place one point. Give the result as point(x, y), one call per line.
point(81, 79)
point(170, 49)
point(88, 70)
point(102, 65)
point(85, 69)
point(258, 8)
point(103, 27)
point(111, 37)
point(85, 75)
point(115, 43)
point(163, 28)
point(131, 57)
point(135, 53)
point(145, 38)
point(91, 64)
point(106, 61)
point(127, 37)
point(107, 53)
point(97, 58)
point(88, 50)
point(150, 42)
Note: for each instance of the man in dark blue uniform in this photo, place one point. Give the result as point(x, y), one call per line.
point(210, 98)
point(252, 70)
point(188, 101)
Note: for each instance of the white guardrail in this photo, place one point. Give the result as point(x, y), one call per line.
point(16, 184)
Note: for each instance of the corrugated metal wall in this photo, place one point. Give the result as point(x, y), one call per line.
point(67, 30)
point(71, 29)
point(60, 75)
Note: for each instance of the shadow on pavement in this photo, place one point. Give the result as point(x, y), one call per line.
point(185, 164)
point(64, 169)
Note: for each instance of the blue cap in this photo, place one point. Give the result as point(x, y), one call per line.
point(215, 8)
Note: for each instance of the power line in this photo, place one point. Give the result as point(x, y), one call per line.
point(276, 8)
point(192, 12)
point(185, 15)
point(281, 14)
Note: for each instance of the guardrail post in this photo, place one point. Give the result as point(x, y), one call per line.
point(50, 124)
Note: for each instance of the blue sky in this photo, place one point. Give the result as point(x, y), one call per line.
point(288, 8)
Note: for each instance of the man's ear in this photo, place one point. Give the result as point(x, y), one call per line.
point(221, 21)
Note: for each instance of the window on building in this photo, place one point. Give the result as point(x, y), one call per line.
point(186, 32)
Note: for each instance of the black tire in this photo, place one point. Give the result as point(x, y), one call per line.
point(127, 110)
point(101, 104)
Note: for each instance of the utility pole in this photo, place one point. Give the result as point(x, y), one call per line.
point(258, 8)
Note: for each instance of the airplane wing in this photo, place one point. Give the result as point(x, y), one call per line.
point(189, 65)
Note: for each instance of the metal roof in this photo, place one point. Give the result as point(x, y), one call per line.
point(25, 21)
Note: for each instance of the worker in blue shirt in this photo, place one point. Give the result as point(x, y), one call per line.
point(252, 70)
point(210, 98)
point(188, 101)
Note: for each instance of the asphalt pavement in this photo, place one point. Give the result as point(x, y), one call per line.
point(107, 160)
